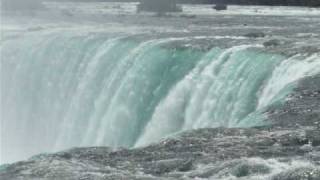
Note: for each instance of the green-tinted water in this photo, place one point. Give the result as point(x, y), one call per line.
point(65, 90)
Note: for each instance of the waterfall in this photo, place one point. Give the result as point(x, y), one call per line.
point(61, 90)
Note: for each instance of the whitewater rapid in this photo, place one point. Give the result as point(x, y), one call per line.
point(61, 90)
point(98, 74)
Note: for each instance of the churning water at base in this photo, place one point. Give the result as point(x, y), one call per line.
point(61, 90)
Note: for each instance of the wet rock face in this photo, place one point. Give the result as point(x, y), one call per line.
point(287, 150)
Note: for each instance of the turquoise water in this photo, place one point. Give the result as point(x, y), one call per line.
point(61, 90)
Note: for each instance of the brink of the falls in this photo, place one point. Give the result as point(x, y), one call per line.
point(104, 93)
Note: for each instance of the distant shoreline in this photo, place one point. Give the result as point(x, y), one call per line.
point(305, 3)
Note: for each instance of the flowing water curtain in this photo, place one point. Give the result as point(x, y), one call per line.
point(220, 91)
point(62, 90)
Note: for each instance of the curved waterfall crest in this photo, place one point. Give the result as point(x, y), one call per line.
point(98, 91)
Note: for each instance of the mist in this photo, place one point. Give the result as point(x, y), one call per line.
point(21, 4)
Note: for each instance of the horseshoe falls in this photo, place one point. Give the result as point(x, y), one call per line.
point(61, 90)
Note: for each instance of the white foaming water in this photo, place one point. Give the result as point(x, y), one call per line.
point(81, 90)
point(117, 117)
point(265, 169)
point(288, 71)
point(66, 85)
point(202, 99)
point(174, 112)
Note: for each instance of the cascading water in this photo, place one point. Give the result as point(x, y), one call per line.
point(61, 90)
